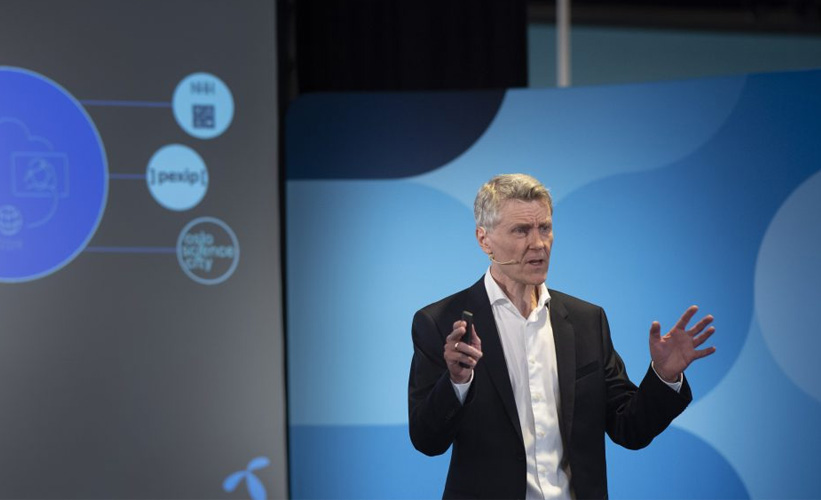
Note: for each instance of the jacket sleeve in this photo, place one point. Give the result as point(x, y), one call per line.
point(636, 415)
point(434, 411)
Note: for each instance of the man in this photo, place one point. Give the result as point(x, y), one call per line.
point(526, 399)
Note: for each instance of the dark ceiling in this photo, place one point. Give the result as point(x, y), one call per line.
point(372, 45)
point(792, 16)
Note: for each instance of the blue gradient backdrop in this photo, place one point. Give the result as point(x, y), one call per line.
point(701, 191)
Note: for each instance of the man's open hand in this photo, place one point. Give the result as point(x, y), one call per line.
point(674, 352)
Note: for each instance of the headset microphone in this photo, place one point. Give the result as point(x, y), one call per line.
point(507, 263)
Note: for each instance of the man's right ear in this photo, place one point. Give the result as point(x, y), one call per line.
point(482, 238)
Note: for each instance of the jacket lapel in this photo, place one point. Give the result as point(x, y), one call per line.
point(493, 357)
point(564, 338)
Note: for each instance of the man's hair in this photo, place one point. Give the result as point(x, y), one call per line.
point(495, 192)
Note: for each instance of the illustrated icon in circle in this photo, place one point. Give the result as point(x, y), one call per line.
point(11, 220)
point(177, 177)
point(208, 250)
point(53, 176)
point(203, 105)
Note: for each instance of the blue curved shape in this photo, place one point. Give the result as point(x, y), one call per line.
point(53, 176)
point(362, 257)
point(383, 135)
point(676, 465)
point(231, 482)
point(763, 424)
point(258, 463)
point(650, 244)
point(570, 138)
point(256, 490)
point(787, 291)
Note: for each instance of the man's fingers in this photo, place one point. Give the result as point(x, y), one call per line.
point(462, 359)
point(703, 353)
point(474, 339)
point(706, 320)
point(461, 355)
point(468, 350)
point(467, 361)
point(686, 317)
point(655, 331)
point(697, 341)
point(464, 354)
point(459, 329)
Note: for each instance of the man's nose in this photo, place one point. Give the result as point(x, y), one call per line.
point(537, 242)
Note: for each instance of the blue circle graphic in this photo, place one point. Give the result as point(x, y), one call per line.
point(177, 177)
point(203, 105)
point(53, 176)
point(208, 250)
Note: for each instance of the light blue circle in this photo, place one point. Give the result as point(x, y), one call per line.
point(177, 177)
point(787, 291)
point(208, 250)
point(203, 105)
point(53, 176)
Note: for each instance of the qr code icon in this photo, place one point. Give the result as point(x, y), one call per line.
point(204, 116)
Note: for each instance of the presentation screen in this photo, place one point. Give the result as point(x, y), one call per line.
point(140, 285)
point(665, 195)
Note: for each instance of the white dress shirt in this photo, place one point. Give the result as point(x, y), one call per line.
point(530, 355)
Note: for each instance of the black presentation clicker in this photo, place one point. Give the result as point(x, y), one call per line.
point(467, 317)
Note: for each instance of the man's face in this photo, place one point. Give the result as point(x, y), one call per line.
point(524, 234)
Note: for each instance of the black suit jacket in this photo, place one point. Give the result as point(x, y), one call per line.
point(488, 457)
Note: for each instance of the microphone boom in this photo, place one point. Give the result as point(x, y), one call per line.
point(505, 263)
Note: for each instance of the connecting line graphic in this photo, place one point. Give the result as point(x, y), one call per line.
point(126, 104)
point(148, 250)
point(127, 177)
point(130, 250)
